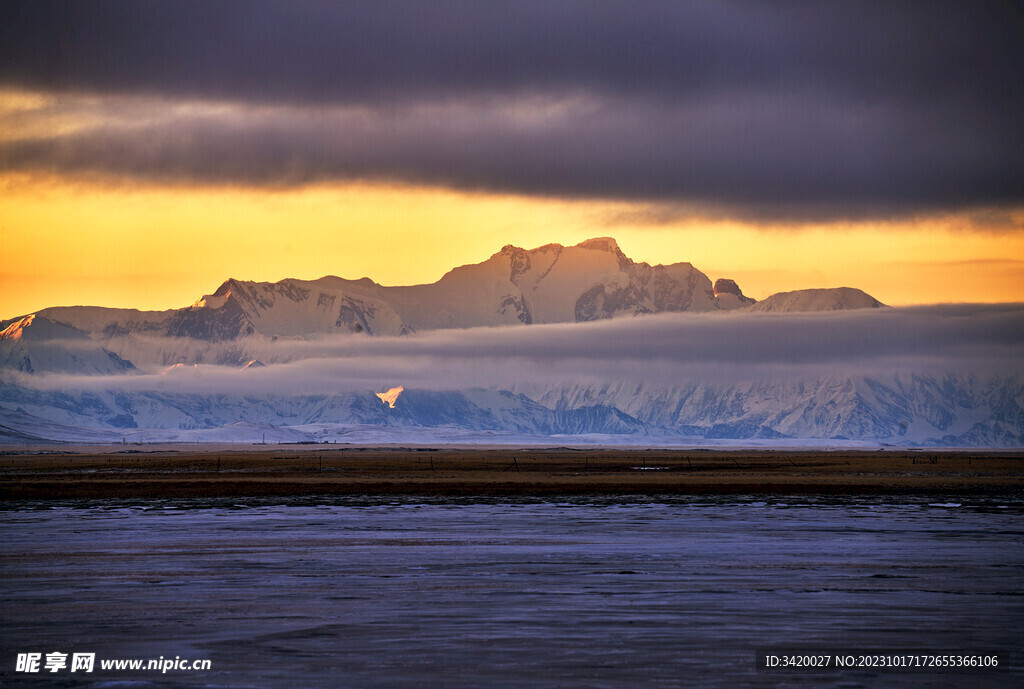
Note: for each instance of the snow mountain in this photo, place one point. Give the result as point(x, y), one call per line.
point(901, 409)
point(35, 344)
point(897, 410)
point(488, 410)
point(807, 300)
point(221, 363)
point(549, 284)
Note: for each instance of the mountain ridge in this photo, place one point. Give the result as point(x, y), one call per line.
point(891, 410)
point(552, 283)
point(892, 377)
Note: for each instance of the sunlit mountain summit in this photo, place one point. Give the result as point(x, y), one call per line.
point(590, 281)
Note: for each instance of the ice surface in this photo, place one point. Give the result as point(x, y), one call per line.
point(587, 593)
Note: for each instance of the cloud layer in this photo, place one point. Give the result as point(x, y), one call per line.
point(655, 350)
point(801, 110)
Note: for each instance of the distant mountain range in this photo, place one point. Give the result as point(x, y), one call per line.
point(892, 410)
point(550, 284)
point(240, 322)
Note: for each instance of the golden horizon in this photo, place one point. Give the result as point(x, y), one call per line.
point(69, 241)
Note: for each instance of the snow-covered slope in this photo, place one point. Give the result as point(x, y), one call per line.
point(897, 409)
point(471, 409)
point(833, 299)
point(19, 428)
point(36, 344)
point(903, 409)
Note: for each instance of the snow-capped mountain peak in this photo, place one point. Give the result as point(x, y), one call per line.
point(600, 244)
point(549, 284)
point(833, 299)
point(35, 344)
point(36, 329)
point(552, 283)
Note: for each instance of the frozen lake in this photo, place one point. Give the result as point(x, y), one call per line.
point(586, 593)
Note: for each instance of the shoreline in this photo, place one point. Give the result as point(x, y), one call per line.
point(290, 471)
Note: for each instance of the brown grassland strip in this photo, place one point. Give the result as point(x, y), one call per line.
point(188, 471)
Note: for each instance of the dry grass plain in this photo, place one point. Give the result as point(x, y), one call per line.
point(224, 471)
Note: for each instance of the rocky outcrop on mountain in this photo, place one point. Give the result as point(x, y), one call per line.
point(728, 293)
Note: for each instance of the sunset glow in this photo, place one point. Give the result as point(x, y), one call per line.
point(68, 242)
point(140, 180)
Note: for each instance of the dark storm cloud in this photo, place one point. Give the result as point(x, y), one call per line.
point(330, 51)
point(788, 108)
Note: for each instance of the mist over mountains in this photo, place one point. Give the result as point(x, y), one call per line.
point(614, 351)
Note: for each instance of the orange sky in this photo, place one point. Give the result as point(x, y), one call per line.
point(70, 242)
point(305, 144)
